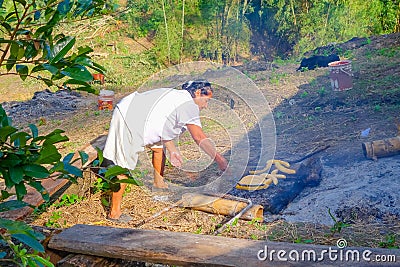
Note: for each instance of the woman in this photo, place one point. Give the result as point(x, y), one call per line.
point(157, 117)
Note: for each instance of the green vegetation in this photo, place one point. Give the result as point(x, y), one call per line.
point(338, 224)
point(27, 159)
point(390, 242)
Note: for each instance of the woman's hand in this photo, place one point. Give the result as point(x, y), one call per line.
point(222, 162)
point(176, 159)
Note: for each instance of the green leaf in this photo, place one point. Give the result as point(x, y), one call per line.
point(47, 82)
point(12, 205)
point(73, 170)
point(130, 181)
point(55, 137)
point(78, 72)
point(100, 155)
point(67, 159)
point(2, 254)
point(20, 190)
point(82, 60)
point(48, 155)
point(114, 171)
point(88, 89)
point(37, 68)
point(16, 174)
point(4, 194)
point(35, 170)
point(52, 69)
point(58, 167)
point(84, 157)
point(29, 241)
point(30, 51)
point(22, 70)
point(19, 139)
point(84, 50)
point(22, 2)
point(14, 48)
point(62, 48)
point(37, 14)
point(34, 130)
point(39, 187)
point(11, 160)
point(64, 7)
point(12, 59)
point(6, 131)
point(39, 261)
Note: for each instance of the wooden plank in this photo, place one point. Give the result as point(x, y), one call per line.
point(52, 184)
point(186, 249)
point(79, 260)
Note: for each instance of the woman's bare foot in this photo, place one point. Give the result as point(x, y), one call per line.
point(160, 184)
point(159, 181)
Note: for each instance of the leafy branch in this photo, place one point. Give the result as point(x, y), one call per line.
point(28, 38)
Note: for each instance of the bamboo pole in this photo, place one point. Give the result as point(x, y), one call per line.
point(221, 205)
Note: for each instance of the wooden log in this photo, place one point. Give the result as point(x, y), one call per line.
point(53, 184)
point(186, 249)
point(79, 260)
point(221, 205)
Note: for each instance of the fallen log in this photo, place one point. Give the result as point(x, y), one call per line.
point(187, 249)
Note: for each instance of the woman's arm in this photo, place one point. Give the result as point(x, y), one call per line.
point(206, 145)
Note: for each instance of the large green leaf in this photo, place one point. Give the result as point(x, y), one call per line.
point(30, 51)
point(16, 174)
point(12, 59)
point(29, 241)
point(10, 160)
point(62, 48)
point(6, 131)
point(12, 205)
point(22, 70)
point(55, 137)
point(78, 72)
point(114, 171)
point(20, 190)
point(83, 6)
point(34, 130)
point(84, 157)
point(48, 155)
point(52, 69)
point(35, 170)
point(73, 170)
point(100, 155)
point(64, 7)
point(19, 139)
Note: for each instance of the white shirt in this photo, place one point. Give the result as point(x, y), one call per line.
point(146, 118)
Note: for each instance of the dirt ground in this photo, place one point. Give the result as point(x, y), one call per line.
point(308, 115)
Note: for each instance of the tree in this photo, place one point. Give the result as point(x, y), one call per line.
point(30, 45)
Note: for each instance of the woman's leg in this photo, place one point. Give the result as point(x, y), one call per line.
point(158, 161)
point(116, 200)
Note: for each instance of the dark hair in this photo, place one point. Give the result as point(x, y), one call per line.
point(193, 86)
